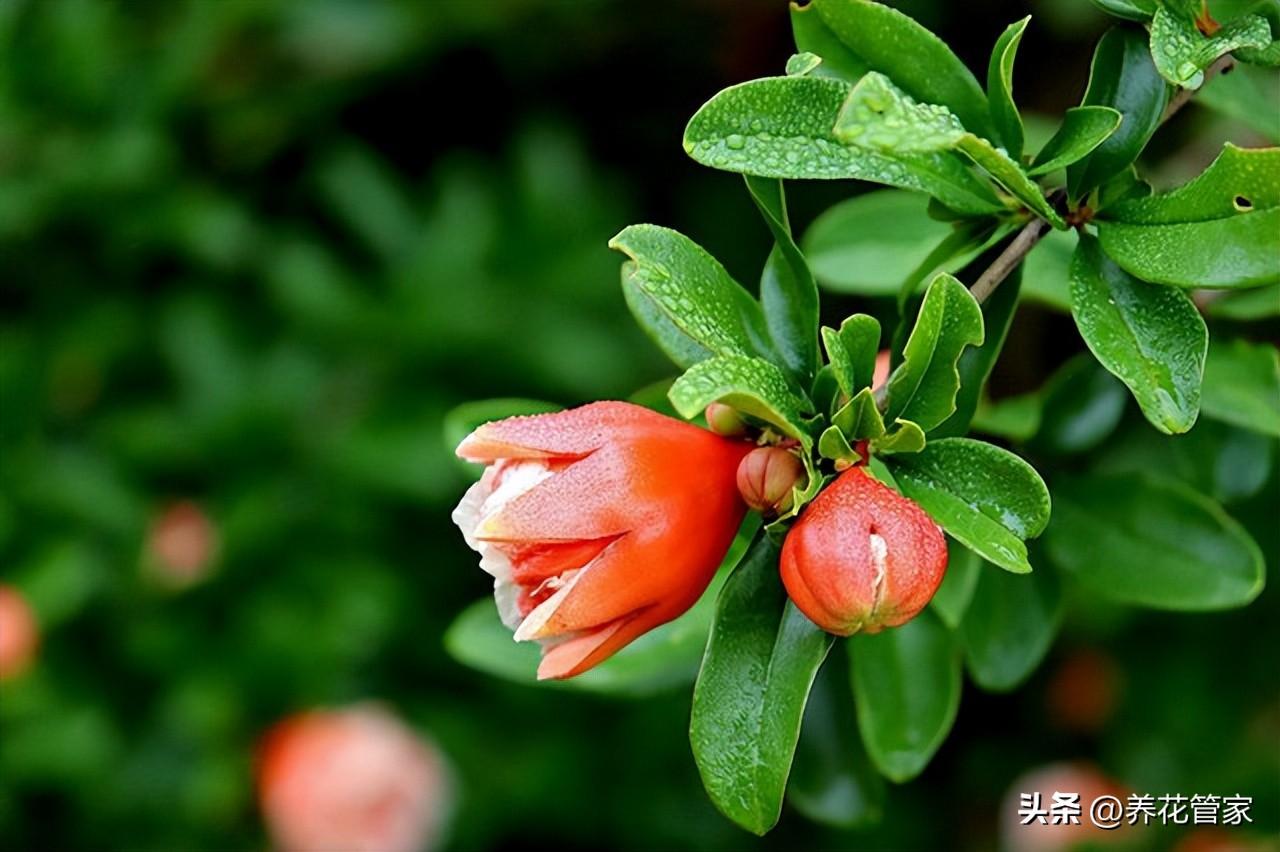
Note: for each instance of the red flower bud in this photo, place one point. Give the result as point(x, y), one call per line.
point(19, 633)
point(724, 420)
point(862, 557)
point(766, 477)
point(598, 524)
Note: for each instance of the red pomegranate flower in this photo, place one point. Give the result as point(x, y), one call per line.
point(598, 524)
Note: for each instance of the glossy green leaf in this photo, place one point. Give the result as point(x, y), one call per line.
point(923, 388)
point(904, 437)
point(1122, 77)
point(1221, 229)
point(852, 352)
point(879, 116)
point(1009, 625)
point(953, 596)
point(1083, 129)
point(906, 683)
point(749, 699)
point(813, 35)
point(1182, 52)
point(1150, 337)
point(1242, 385)
point(983, 496)
point(1046, 273)
point(1004, 112)
point(1125, 186)
point(1131, 10)
point(976, 362)
point(751, 385)
point(781, 127)
point(860, 417)
point(788, 292)
point(802, 63)
point(1136, 540)
point(869, 244)
point(685, 300)
point(916, 60)
point(833, 781)
point(1016, 418)
point(832, 444)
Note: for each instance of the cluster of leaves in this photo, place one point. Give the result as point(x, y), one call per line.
point(873, 96)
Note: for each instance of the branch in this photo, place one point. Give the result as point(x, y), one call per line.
point(1031, 232)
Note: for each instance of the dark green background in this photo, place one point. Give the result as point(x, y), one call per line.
point(250, 254)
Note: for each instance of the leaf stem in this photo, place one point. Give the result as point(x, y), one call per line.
point(1031, 232)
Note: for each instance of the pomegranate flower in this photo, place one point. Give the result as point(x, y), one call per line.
point(862, 557)
point(19, 634)
point(598, 524)
point(355, 779)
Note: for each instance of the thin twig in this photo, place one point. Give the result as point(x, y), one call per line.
point(1031, 233)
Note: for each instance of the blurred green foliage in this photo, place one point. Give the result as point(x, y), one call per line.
point(230, 275)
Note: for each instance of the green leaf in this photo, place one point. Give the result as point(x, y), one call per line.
point(1122, 77)
point(879, 116)
point(923, 388)
point(860, 417)
point(906, 683)
point(685, 300)
point(833, 445)
point(1009, 626)
point(1242, 385)
point(1004, 112)
point(908, 437)
point(1131, 10)
point(751, 385)
point(976, 362)
point(802, 63)
point(1046, 277)
point(781, 127)
point(1135, 540)
point(916, 60)
point(1182, 52)
point(1247, 95)
point(760, 662)
point(788, 293)
point(1083, 404)
point(852, 352)
point(1221, 229)
point(1150, 337)
point(953, 596)
point(985, 497)
point(870, 243)
point(1083, 129)
point(813, 35)
point(833, 781)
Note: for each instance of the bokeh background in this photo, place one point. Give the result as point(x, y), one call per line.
point(251, 254)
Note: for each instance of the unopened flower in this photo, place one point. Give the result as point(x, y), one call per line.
point(724, 420)
point(19, 633)
point(766, 478)
point(598, 524)
point(1027, 818)
point(181, 544)
point(862, 557)
point(356, 779)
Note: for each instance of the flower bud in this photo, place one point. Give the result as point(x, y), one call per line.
point(725, 421)
point(766, 477)
point(862, 557)
point(19, 633)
